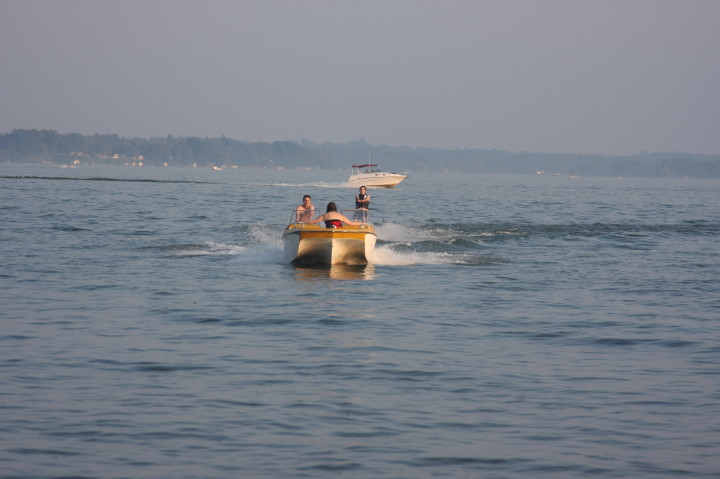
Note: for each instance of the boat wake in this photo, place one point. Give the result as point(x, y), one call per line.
point(258, 245)
point(398, 245)
point(314, 184)
point(402, 245)
point(203, 249)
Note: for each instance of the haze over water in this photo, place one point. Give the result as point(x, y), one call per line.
point(508, 327)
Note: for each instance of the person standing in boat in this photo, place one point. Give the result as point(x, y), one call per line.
point(333, 219)
point(305, 211)
point(362, 203)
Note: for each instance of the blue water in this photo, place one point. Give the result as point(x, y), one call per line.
point(509, 327)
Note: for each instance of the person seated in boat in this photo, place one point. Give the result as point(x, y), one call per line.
point(305, 211)
point(333, 219)
point(362, 204)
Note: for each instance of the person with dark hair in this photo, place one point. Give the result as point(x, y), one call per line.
point(304, 212)
point(362, 199)
point(362, 204)
point(333, 219)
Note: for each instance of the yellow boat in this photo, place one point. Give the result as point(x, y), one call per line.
point(315, 244)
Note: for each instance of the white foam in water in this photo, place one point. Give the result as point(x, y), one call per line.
point(398, 233)
point(261, 246)
point(221, 248)
point(262, 254)
point(211, 248)
point(409, 234)
point(385, 255)
point(264, 245)
point(406, 235)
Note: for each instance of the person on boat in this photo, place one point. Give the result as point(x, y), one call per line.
point(333, 219)
point(362, 204)
point(305, 211)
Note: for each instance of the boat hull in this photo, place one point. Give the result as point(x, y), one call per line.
point(376, 180)
point(311, 244)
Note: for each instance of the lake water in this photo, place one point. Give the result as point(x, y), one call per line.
point(508, 327)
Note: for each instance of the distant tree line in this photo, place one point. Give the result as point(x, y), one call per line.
point(49, 146)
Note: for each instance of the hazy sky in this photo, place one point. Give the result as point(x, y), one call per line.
point(578, 76)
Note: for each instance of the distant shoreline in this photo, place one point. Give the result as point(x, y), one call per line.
point(51, 147)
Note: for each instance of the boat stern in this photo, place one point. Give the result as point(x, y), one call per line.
point(311, 244)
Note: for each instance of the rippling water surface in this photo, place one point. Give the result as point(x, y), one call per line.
point(508, 327)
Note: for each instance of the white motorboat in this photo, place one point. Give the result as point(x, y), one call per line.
point(314, 244)
point(373, 177)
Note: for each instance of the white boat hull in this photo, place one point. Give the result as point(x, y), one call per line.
point(377, 180)
point(371, 176)
point(311, 244)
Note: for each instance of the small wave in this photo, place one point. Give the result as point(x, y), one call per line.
point(68, 228)
point(45, 452)
point(671, 344)
point(168, 368)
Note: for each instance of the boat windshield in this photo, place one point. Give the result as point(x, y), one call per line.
point(370, 168)
point(303, 217)
point(359, 214)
